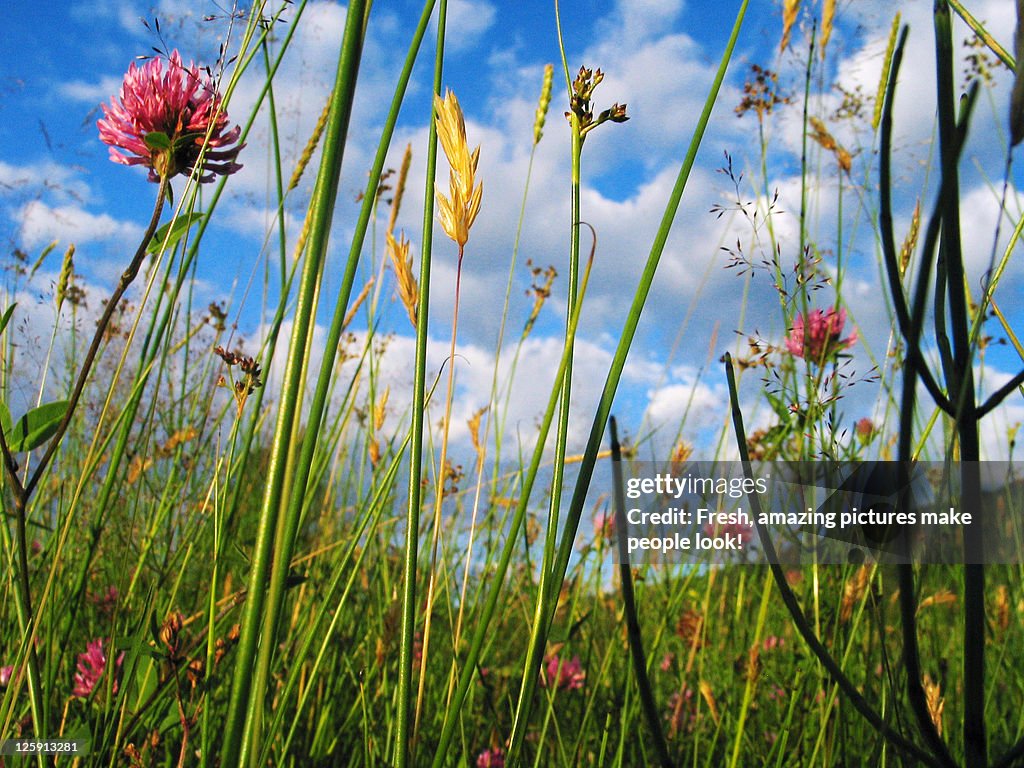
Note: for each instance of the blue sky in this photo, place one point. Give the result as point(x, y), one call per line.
point(59, 60)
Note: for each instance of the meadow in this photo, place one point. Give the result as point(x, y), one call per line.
point(228, 546)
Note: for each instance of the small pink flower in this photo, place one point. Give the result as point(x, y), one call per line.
point(604, 524)
point(5, 674)
point(91, 666)
point(741, 530)
point(564, 675)
point(816, 337)
point(179, 104)
point(772, 642)
point(666, 662)
point(106, 601)
point(865, 429)
point(491, 758)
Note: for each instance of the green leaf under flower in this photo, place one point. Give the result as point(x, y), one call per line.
point(171, 232)
point(157, 141)
point(34, 428)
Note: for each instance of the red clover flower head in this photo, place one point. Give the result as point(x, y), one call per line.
point(91, 666)
point(816, 336)
point(491, 758)
point(162, 120)
point(564, 675)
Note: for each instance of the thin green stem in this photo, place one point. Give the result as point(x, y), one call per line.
point(538, 633)
point(244, 710)
point(403, 727)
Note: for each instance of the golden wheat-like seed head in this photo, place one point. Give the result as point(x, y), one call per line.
point(790, 10)
point(828, 17)
point(310, 148)
point(458, 210)
point(396, 201)
point(935, 701)
point(401, 262)
point(907, 250)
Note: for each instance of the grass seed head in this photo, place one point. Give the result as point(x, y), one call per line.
point(543, 104)
point(401, 263)
point(457, 211)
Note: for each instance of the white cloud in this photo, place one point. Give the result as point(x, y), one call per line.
point(91, 93)
point(42, 223)
point(468, 22)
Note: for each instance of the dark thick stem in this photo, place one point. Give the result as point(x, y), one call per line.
point(806, 631)
point(23, 493)
point(127, 278)
point(961, 388)
point(636, 645)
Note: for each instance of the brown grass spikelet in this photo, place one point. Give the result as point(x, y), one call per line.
point(457, 211)
point(681, 453)
point(1002, 612)
point(790, 10)
point(543, 103)
point(540, 290)
point(933, 696)
point(708, 695)
point(351, 314)
point(910, 242)
point(942, 597)
point(380, 409)
point(474, 432)
point(853, 591)
point(401, 263)
point(310, 148)
point(827, 142)
point(396, 200)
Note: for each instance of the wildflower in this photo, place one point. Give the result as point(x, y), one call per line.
point(816, 336)
point(491, 758)
point(163, 120)
point(681, 711)
point(604, 524)
point(457, 211)
point(772, 642)
point(742, 531)
point(5, 674)
point(568, 675)
point(91, 666)
point(865, 429)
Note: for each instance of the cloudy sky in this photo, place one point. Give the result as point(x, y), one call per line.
point(60, 60)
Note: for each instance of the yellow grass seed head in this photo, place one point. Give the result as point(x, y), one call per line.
point(828, 16)
point(457, 211)
point(401, 262)
point(790, 10)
